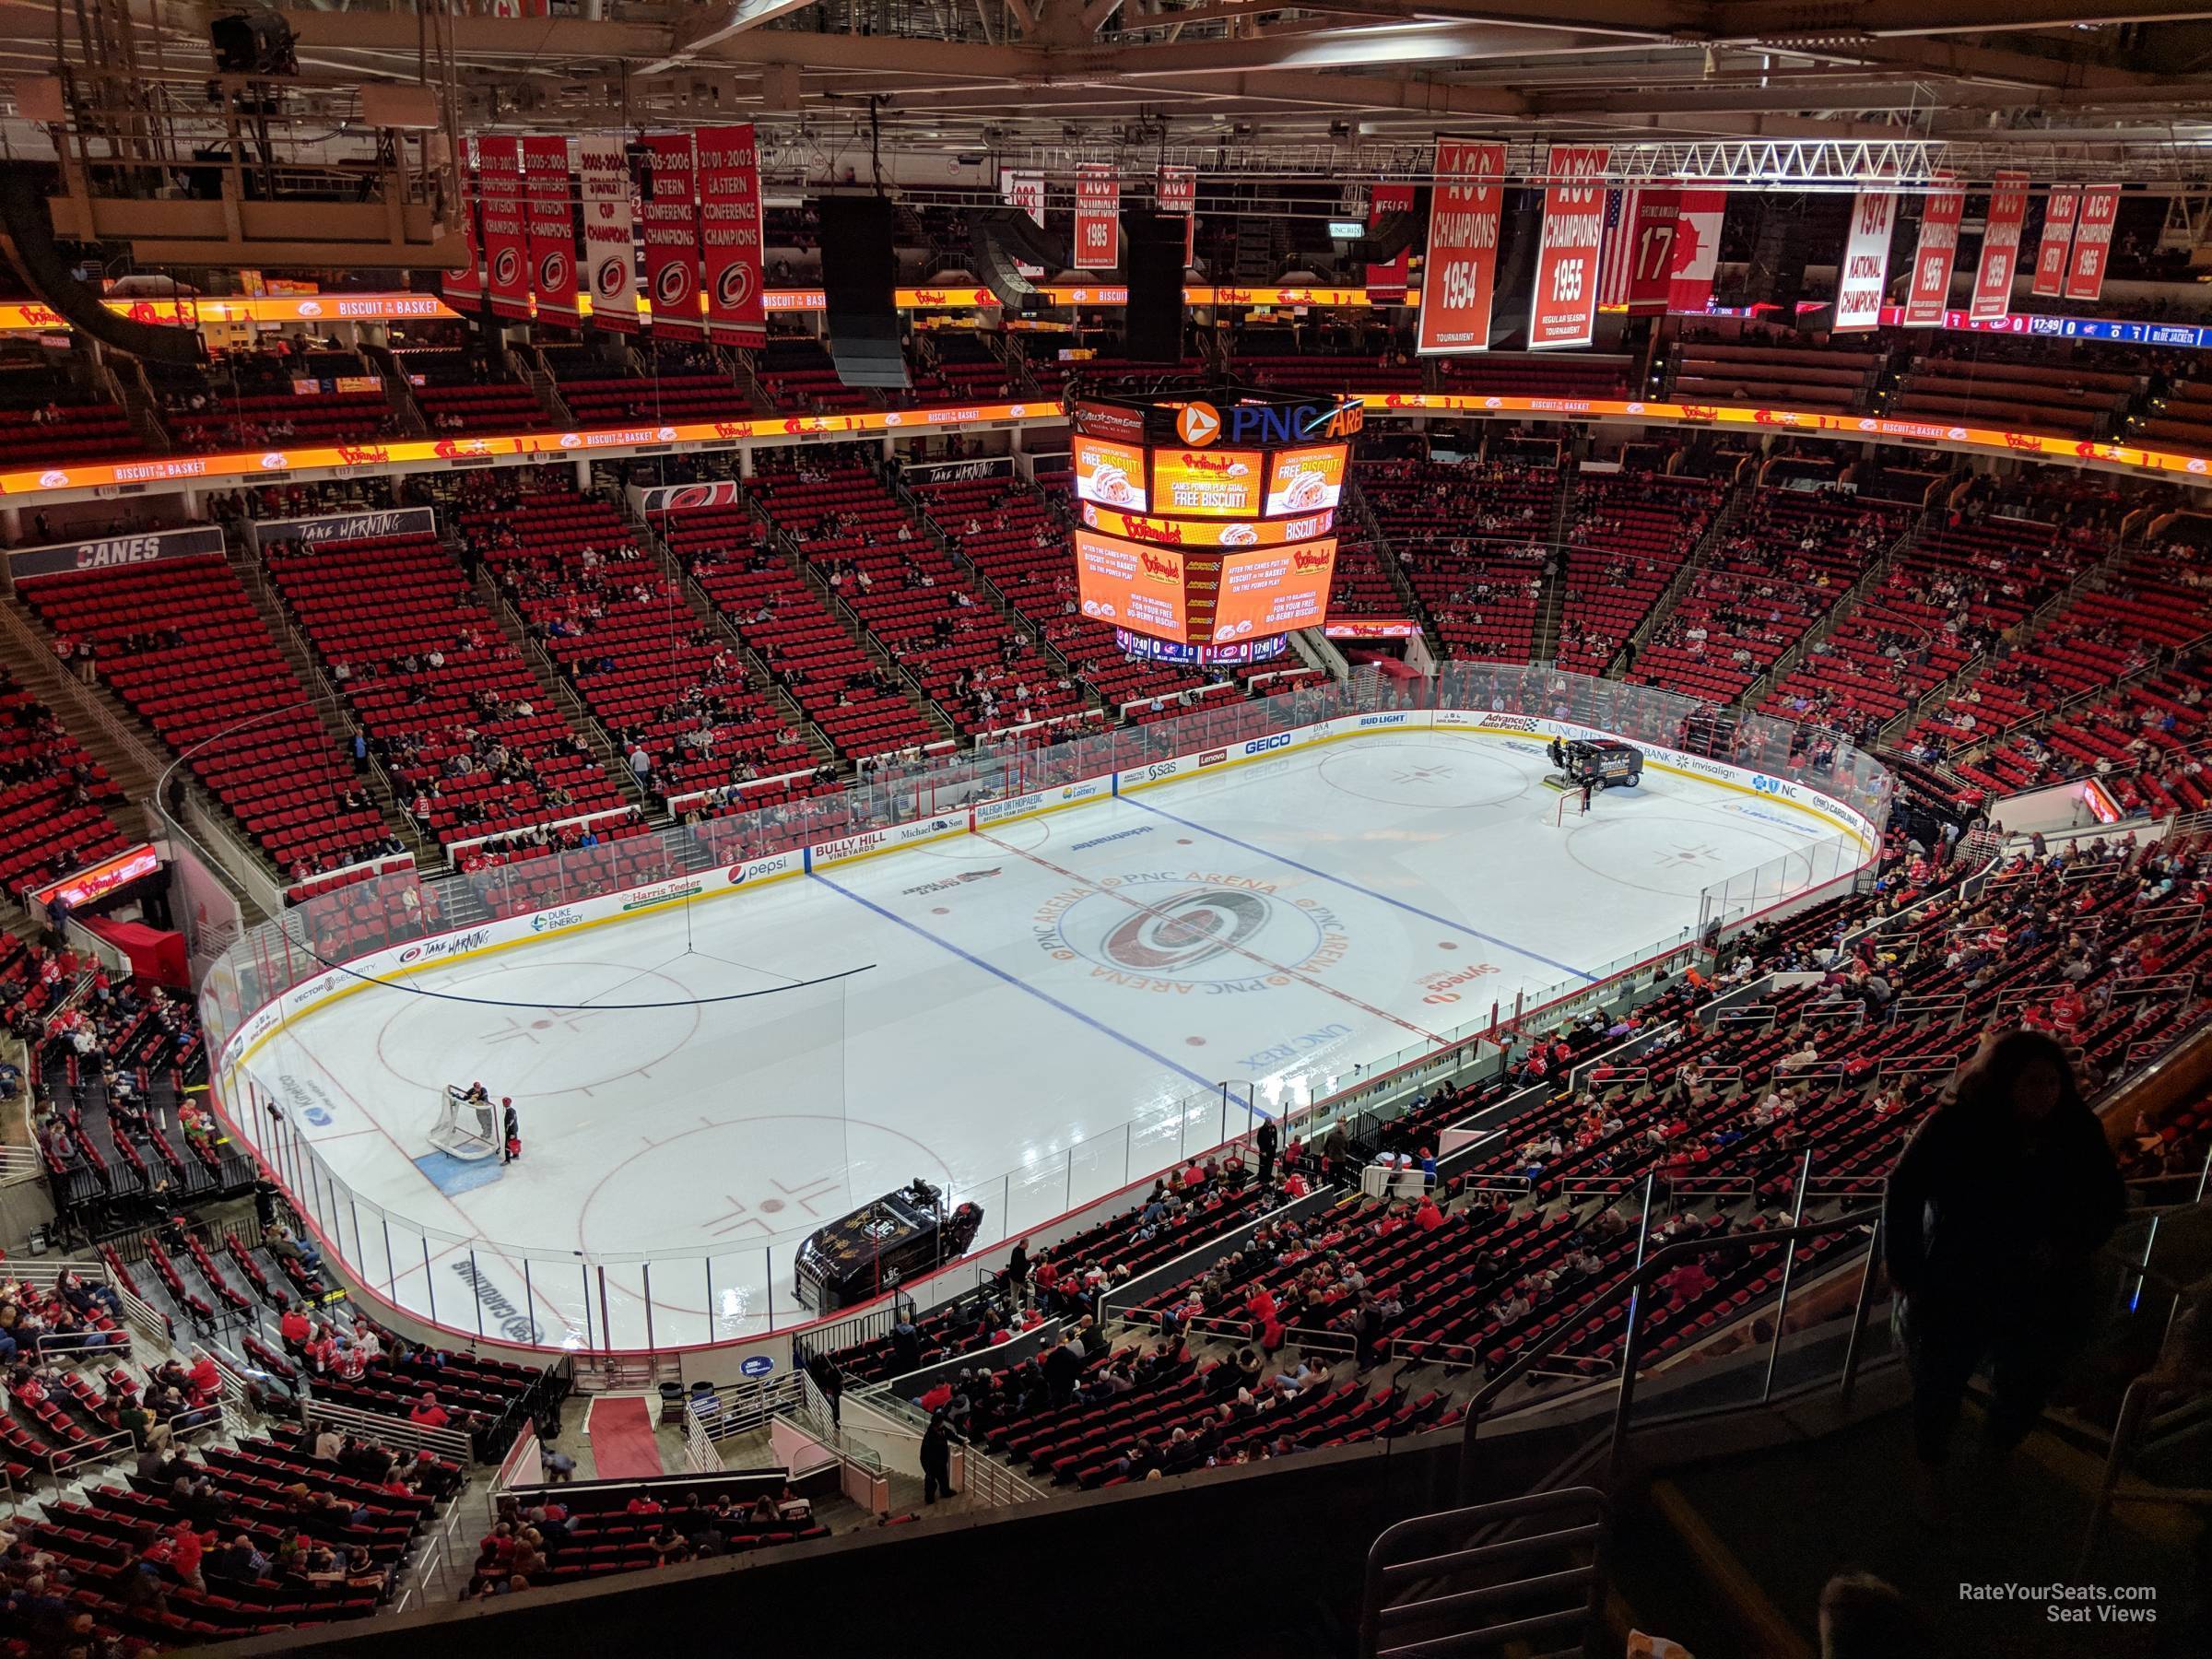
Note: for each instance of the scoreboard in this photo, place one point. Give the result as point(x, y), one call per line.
point(1208, 526)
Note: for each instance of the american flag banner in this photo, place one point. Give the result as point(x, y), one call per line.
point(1616, 261)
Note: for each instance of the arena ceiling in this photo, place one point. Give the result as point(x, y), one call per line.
point(1267, 88)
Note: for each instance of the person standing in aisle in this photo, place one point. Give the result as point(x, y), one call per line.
point(1267, 1140)
point(511, 1132)
point(936, 1459)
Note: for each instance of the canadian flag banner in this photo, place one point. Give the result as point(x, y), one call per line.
point(1097, 218)
point(730, 234)
point(1025, 191)
point(2052, 253)
point(552, 227)
point(1929, 296)
point(2001, 234)
point(1177, 192)
point(464, 287)
point(1563, 304)
point(2092, 242)
point(1696, 250)
point(610, 245)
point(1865, 269)
point(1459, 271)
point(506, 241)
point(672, 239)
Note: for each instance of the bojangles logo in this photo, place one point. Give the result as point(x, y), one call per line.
point(931, 296)
point(1699, 412)
point(732, 429)
point(1158, 568)
point(2024, 441)
point(1166, 535)
point(1224, 466)
point(362, 454)
point(1303, 560)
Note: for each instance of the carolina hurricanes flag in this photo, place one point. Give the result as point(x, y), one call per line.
point(672, 239)
point(1460, 268)
point(2000, 247)
point(551, 227)
point(506, 241)
point(1563, 303)
point(1386, 283)
point(1097, 218)
point(1177, 192)
point(730, 234)
point(1941, 212)
point(464, 287)
point(2058, 241)
point(1696, 250)
point(2092, 242)
point(610, 247)
point(1866, 270)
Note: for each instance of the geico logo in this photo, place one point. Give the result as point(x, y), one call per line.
point(1260, 746)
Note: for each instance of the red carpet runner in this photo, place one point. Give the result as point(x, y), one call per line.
point(623, 1447)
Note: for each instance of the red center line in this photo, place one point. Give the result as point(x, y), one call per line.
point(1273, 967)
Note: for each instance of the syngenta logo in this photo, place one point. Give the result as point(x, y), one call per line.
point(514, 1325)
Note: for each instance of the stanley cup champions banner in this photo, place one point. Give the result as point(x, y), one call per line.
point(610, 248)
point(551, 225)
point(730, 234)
point(672, 239)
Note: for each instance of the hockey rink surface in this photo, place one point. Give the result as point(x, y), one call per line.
point(1042, 1013)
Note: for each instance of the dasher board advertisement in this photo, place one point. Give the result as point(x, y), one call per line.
point(1204, 533)
point(1132, 585)
point(1275, 590)
point(1111, 474)
point(1207, 483)
point(1306, 480)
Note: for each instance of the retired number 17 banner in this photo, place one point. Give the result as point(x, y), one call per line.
point(1563, 310)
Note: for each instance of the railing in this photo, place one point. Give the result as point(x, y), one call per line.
point(990, 1484)
point(451, 1443)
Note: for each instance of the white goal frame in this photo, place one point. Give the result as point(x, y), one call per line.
point(465, 1128)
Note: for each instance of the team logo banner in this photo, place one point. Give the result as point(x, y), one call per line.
point(610, 249)
point(506, 241)
point(1177, 192)
point(114, 552)
point(1386, 283)
point(1460, 269)
point(465, 289)
point(552, 234)
point(2000, 247)
point(2058, 242)
point(1097, 218)
point(1866, 271)
point(672, 239)
point(729, 233)
point(1696, 250)
point(1940, 216)
point(2092, 242)
point(1563, 307)
point(684, 497)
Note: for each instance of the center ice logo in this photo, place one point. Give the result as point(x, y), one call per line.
point(1185, 932)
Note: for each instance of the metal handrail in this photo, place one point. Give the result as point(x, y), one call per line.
point(1629, 1288)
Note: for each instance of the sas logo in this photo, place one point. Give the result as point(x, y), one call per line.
point(1198, 423)
point(1260, 746)
point(1166, 769)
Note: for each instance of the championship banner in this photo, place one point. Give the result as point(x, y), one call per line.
point(730, 234)
point(463, 290)
point(1639, 254)
point(1563, 310)
point(1940, 214)
point(672, 239)
point(1177, 192)
point(610, 249)
point(2092, 242)
point(1025, 191)
point(1386, 283)
point(552, 229)
point(2051, 253)
point(2001, 234)
point(1097, 218)
point(1696, 250)
point(1459, 269)
point(506, 241)
point(1864, 273)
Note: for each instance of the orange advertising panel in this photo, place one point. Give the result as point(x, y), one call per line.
point(1111, 474)
point(1273, 590)
point(1132, 585)
point(1207, 483)
point(1307, 480)
point(1200, 533)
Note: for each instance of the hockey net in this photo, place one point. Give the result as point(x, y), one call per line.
point(1569, 807)
point(465, 1127)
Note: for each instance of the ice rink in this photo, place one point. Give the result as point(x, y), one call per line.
point(1034, 1015)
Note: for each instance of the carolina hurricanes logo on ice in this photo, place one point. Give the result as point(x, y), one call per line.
point(1184, 932)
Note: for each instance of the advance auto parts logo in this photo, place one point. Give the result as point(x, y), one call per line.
point(1183, 933)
